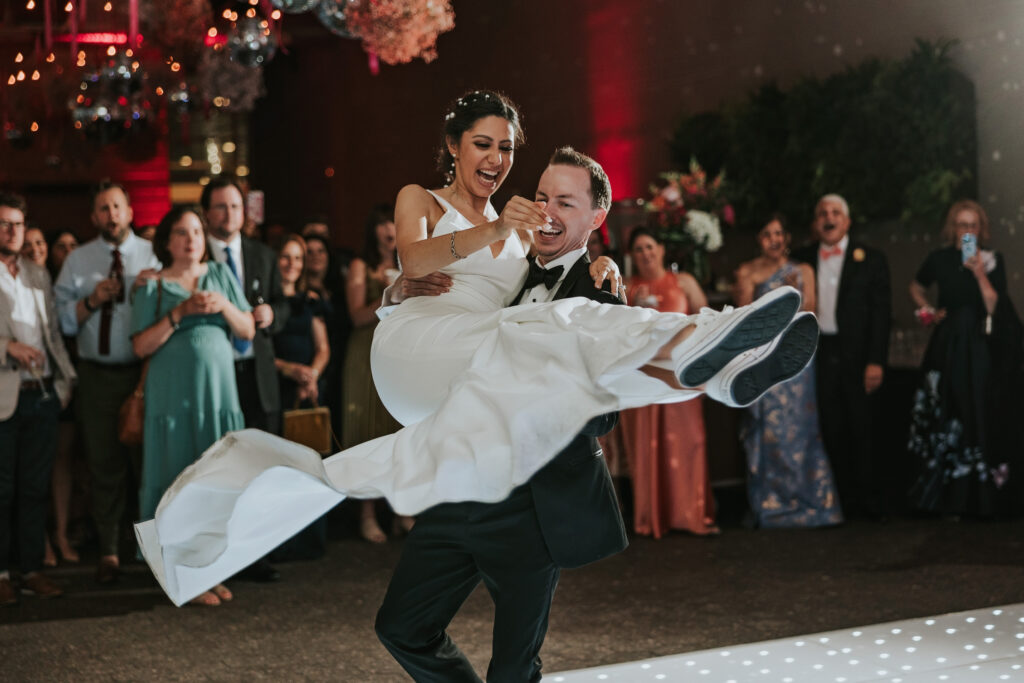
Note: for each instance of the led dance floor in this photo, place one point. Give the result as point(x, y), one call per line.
point(984, 645)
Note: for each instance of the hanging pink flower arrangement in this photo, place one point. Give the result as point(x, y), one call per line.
point(398, 31)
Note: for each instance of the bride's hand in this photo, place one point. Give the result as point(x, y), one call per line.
point(521, 214)
point(605, 268)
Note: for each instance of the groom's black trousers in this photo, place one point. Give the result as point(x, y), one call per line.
point(451, 549)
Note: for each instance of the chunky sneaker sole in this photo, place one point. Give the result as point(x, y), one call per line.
point(746, 379)
point(744, 329)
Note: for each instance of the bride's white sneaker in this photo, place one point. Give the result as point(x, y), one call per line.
point(749, 375)
point(721, 336)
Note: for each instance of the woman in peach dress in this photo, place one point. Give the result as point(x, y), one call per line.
point(665, 442)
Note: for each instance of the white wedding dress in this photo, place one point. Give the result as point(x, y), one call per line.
point(488, 395)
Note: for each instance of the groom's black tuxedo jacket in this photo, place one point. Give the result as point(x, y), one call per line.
point(573, 494)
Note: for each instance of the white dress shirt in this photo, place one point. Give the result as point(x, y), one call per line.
point(26, 322)
point(219, 253)
point(830, 272)
point(540, 292)
point(83, 268)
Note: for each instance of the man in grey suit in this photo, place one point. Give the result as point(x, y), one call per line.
point(35, 383)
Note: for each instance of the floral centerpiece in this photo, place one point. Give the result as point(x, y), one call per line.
point(687, 212)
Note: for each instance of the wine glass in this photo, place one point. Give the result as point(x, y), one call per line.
point(36, 371)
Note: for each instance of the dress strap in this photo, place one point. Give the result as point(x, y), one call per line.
point(445, 204)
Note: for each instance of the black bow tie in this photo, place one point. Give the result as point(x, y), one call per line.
point(539, 274)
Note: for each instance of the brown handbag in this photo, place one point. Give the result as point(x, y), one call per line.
point(132, 415)
point(310, 427)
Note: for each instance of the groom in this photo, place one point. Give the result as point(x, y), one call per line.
point(565, 516)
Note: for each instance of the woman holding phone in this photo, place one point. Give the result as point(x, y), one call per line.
point(963, 444)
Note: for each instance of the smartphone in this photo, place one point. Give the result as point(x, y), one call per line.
point(968, 246)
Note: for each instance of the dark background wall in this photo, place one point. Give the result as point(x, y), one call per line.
point(610, 78)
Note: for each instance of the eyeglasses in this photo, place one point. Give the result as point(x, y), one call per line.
point(12, 224)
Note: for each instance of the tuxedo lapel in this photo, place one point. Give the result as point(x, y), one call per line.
point(849, 269)
point(572, 277)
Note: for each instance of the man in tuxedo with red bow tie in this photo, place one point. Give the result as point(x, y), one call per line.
point(854, 310)
point(565, 516)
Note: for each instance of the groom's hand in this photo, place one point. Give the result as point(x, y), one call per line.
point(434, 284)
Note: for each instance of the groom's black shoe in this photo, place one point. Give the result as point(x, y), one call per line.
point(260, 571)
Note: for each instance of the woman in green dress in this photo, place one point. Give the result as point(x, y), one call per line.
point(183, 322)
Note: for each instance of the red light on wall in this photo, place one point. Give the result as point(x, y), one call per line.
point(109, 38)
point(210, 41)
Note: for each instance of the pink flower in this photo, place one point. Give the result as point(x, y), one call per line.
point(729, 215)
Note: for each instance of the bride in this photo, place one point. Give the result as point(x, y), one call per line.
point(488, 393)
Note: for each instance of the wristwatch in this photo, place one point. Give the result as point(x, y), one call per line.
point(170, 318)
point(88, 306)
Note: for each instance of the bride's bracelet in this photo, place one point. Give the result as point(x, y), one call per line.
point(455, 254)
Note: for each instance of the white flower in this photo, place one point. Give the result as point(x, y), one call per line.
point(671, 194)
point(704, 229)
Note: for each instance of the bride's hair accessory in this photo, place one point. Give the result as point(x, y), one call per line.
point(466, 111)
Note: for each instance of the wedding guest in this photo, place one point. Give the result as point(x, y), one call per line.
point(35, 250)
point(302, 355)
point(363, 415)
point(854, 310)
point(789, 479)
point(965, 431)
point(254, 267)
point(183, 322)
point(665, 443)
point(317, 272)
point(35, 382)
point(59, 245)
point(317, 225)
point(93, 304)
point(301, 347)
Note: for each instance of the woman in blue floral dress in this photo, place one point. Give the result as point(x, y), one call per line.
point(789, 478)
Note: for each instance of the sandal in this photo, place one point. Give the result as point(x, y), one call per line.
point(207, 599)
point(222, 592)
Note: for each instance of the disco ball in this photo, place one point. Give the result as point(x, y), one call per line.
point(250, 42)
point(294, 6)
point(331, 14)
point(110, 102)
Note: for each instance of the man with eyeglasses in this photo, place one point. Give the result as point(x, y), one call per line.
point(35, 384)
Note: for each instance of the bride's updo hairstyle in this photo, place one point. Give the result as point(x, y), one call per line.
point(466, 111)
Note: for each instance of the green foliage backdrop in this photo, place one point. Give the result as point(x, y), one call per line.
point(897, 138)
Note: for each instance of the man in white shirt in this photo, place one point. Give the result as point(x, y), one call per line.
point(93, 302)
point(35, 383)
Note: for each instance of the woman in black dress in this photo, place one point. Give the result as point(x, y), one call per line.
point(963, 430)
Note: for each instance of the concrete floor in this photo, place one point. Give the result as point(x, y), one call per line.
point(675, 595)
